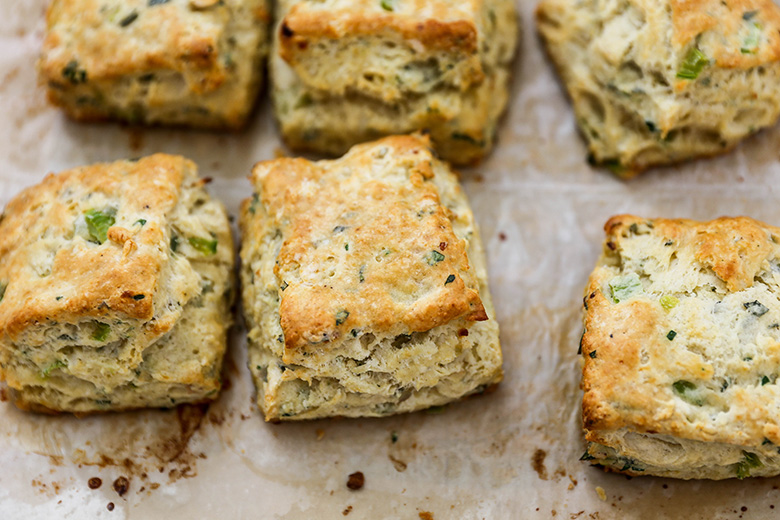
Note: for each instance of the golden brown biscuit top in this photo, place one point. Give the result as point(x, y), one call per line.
point(92, 40)
point(682, 331)
point(447, 25)
point(88, 242)
point(735, 33)
point(367, 244)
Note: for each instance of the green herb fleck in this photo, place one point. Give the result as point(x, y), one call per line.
point(54, 366)
point(766, 441)
point(755, 308)
point(749, 462)
point(436, 410)
point(139, 297)
point(687, 391)
point(152, 3)
point(387, 5)
point(304, 101)
point(174, 243)
point(752, 40)
point(625, 287)
point(587, 456)
point(434, 257)
point(361, 274)
point(253, 204)
point(284, 286)
point(3, 287)
point(346, 247)
point(693, 64)
point(101, 332)
point(98, 223)
point(672, 334)
point(58, 298)
point(765, 380)
point(339, 229)
point(669, 302)
point(72, 73)
point(615, 166)
point(650, 126)
point(582, 337)
point(467, 138)
point(203, 245)
point(394, 437)
point(127, 20)
point(341, 316)
point(450, 279)
point(592, 354)
point(749, 15)
point(141, 222)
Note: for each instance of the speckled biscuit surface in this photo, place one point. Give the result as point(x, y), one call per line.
point(347, 71)
point(682, 349)
point(659, 82)
point(364, 285)
point(179, 62)
point(116, 283)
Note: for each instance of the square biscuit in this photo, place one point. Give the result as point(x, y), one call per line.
point(115, 288)
point(654, 83)
point(195, 63)
point(364, 285)
point(681, 349)
point(349, 71)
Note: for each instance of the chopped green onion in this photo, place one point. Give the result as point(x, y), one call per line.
point(174, 243)
point(434, 257)
point(765, 380)
point(687, 391)
point(102, 330)
point(98, 223)
point(3, 287)
point(669, 302)
point(450, 279)
point(749, 462)
point(139, 297)
point(127, 20)
point(752, 40)
point(387, 5)
point(671, 335)
point(592, 354)
point(72, 73)
point(54, 366)
point(693, 64)
point(755, 308)
point(625, 287)
point(341, 317)
point(203, 245)
point(141, 222)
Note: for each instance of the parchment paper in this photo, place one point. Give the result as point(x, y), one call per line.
point(510, 454)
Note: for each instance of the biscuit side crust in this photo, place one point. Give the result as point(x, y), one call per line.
point(389, 83)
point(370, 367)
point(682, 340)
point(202, 67)
point(652, 86)
point(67, 342)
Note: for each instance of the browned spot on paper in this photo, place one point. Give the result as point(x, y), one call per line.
point(399, 465)
point(537, 462)
point(56, 460)
point(121, 485)
point(347, 511)
point(110, 506)
point(425, 515)
point(3, 395)
point(356, 481)
point(94, 483)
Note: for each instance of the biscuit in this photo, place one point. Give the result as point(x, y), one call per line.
point(349, 71)
point(682, 349)
point(364, 285)
point(115, 288)
point(656, 83)
point(174, 62)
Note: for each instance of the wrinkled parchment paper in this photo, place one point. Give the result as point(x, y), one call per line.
point(510, 454)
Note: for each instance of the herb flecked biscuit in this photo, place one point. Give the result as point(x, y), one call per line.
point(659, 82)
point(364, 285)
point(115, 288)
point(348, 71)
point(178, 62)
point(682, 349)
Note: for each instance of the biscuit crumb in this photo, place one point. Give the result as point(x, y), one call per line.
point(320, 434)
point(601, 493)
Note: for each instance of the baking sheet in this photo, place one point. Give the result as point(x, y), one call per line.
point(510, 454)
